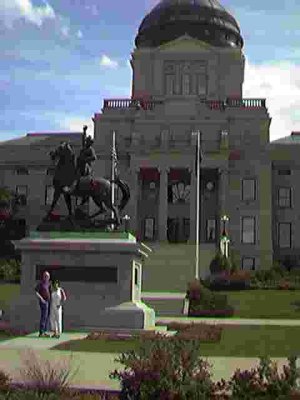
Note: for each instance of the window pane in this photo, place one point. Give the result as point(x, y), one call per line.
point(149, 228)
point(248, 226)
point(170, 84)
point(285, 235)
point(186, 228)
point(22, 192)
point(284, 197)
point(284, 172)
point(248, 189)
point(201, 85)
point(186, 84)
point(211, 229)
point(248, 263)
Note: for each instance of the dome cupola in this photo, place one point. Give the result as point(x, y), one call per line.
point(205, 20)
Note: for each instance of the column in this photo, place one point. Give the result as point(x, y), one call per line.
point(134, 199)
point(223, 176)
point(163, 204)
point(193, 192)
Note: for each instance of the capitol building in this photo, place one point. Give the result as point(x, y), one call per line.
point(188, 74)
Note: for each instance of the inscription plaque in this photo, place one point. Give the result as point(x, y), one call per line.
point(64, 273)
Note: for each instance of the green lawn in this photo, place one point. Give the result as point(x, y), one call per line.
point(7, 293)
point(237, 341)
point(272, 304)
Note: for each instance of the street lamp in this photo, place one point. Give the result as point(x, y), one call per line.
point(224, 219)
point(126, 219)
point(198, 133)
point(224, 239)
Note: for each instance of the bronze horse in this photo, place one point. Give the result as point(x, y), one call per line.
point(99, 189)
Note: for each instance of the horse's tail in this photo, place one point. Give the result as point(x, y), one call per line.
point(125, 192)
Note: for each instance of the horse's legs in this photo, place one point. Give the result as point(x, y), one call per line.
point(56, 197)
point(107, 202)
point(99, 204)
point(68, 201)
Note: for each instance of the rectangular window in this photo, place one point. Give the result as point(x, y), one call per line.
point(248, 263)
point(149, 228)
point(211, 230)
point(248, 189)
point(201, 84)
point(284, 171)
point(170, 84)
point(49, 193)
point(186, 228)
point(50, 171)
point(248, 230)
point(21, 190)
point(22, 171)
point(285, 235)
point(186, 82)
point(284, 197)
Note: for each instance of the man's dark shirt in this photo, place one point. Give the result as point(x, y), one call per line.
point(43, 288)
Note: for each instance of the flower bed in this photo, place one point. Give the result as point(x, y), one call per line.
point(201, 332)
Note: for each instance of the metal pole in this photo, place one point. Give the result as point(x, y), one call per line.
point(113, 173)
point(198, 133)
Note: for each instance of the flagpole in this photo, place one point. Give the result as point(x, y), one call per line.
point(198, 133)
point(113, 174)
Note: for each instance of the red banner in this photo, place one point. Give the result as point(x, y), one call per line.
point(149, 174)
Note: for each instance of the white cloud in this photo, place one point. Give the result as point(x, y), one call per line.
point(13, 10)
point(93, 9)
point(279, 83)
point(65, 30)
point(79, 34)
point(75, 124)
point(108, 62)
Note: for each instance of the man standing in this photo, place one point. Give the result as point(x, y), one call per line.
point(43, 292)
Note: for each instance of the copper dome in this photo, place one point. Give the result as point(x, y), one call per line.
point(205, 20)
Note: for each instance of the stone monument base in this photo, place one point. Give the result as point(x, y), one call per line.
point(101, 274)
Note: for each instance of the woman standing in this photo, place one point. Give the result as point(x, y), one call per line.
point(58, 296)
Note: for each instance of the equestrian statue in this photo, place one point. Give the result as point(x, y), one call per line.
point(74, 177)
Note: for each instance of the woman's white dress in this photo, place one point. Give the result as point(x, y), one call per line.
point(56, 312)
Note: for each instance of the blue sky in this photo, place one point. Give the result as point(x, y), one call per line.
point(60, 58)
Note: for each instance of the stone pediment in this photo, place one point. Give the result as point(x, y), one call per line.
point(185, 43)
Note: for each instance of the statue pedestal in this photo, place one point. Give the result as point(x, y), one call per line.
point(101, 274)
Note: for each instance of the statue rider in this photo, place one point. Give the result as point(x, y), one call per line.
point(84, 162)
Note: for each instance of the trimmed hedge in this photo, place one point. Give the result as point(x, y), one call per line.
point(203, 302)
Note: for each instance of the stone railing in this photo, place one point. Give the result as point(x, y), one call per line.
point(236, 103)
point(129, 103)
point(246, 103)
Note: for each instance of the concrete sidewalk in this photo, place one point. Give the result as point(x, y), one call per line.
point(94, 368)
point(228, 321)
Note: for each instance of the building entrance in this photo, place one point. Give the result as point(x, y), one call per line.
point(178, 229)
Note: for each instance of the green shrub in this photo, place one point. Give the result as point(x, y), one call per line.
point(10, 270)
point(219, 264)
point(4, 381)
point(165, 370)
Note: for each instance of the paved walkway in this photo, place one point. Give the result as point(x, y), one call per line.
point(94, 368)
